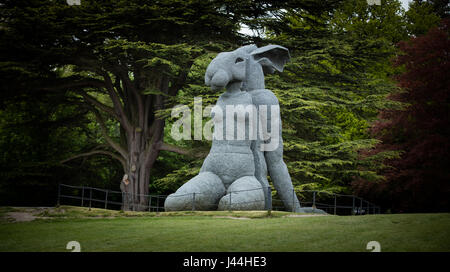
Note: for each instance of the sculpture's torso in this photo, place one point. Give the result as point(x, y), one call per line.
point(231, 159)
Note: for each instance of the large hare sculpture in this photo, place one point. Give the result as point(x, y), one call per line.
point(234, 174)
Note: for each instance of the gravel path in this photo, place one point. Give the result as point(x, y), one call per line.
point(305, 215)
point(21, 216)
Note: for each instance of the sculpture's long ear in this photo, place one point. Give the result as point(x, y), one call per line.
point(271, 57)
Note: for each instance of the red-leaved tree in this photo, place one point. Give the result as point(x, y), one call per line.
point(419, 180)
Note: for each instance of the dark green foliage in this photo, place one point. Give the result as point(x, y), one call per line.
point(329, 92)
point(115, 62)
point(331, 89)
point(421, 16)
point(35, 136)
point(56, 58)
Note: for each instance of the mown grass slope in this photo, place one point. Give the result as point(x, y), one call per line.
point(100, 230)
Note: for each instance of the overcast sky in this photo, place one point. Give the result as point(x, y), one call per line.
point(405, 3)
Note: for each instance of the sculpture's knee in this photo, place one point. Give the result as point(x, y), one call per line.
point(245, 193)
point(178, 202)
point(200, 193)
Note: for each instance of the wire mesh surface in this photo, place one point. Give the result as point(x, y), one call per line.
point(338, 204)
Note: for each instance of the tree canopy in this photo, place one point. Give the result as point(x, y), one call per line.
point(86, 92)
point(420, 130)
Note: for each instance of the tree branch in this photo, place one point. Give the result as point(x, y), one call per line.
point(147, 106)
point(181, 79)
point(122, 161)
point(71, 83)
point(117, 104)
point(97, 103)
point(117, 83)
point(179, 150)
point(129, 85)
point(108, 139)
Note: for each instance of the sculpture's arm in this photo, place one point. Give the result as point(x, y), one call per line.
point(280, 176)
point(274, 157)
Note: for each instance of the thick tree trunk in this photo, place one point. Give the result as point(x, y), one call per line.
point(143, 149)
point(141, 132)
point(142, 153)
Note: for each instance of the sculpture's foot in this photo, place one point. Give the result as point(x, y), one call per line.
point(201, 193)
point(310, 210)
point(245, 193)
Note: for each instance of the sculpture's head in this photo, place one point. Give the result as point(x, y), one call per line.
point(247, 64)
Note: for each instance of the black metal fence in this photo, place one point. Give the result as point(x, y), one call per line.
point(338, 204)
point(91, 197)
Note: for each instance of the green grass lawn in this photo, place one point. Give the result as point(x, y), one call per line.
point(101, 230)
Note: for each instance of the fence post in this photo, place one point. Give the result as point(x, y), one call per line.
point(90, 198)
point(368, 207)
point(123, 201)
point(353, 205)
point(149, 203)
point(82, 196)
point(229, 206)
point(131, 201)
point(157, 203)
point(314, 200)
point(106, 200)
point(59, 195)
point(269, 197)
point(360, 205)
point(193, 201)
point(334, 204)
